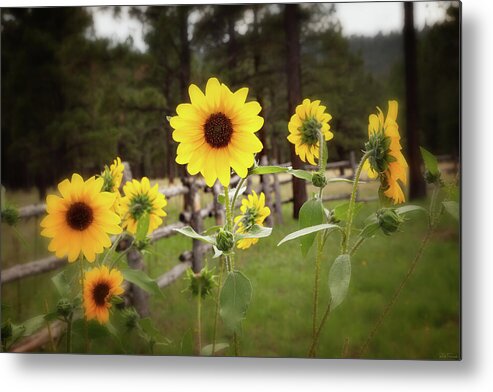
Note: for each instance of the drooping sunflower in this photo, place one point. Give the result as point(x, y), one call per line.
point(140, 198)
point(81, 219)
point(253, 212)
point(100, 285)
point(305, 126)
point(386, 160)
point(216, 132)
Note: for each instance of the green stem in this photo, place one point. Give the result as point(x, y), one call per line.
point(352, 201)
point(318, 261)
point(112, 248)
point(216, 315)
point(86, 333)
point(236, 344)
point(406, 278)
point(199, 319)
point(69, 334)
point(228, 208)
point(313, 349)
point(356, 245)
point(235, 196)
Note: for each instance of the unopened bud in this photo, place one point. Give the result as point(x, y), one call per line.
point(389, 220)
point(319, 180)
point(64, 308)
point(224, 240)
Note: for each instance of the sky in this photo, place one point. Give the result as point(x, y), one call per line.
point(356, 18)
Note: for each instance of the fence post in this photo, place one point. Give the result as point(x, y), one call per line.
point(192, 199)
point(138, 297)
point(266, 188)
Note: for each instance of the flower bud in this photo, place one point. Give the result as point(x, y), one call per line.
point(131, 317)
point(319, 180)
point(389, 220)
point(6, 331)
point(64, 308)
point(201, 283)
point(432, 178)
point(224, 240)
point(10, 215)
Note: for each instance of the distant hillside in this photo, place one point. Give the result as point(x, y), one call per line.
point(379, 52)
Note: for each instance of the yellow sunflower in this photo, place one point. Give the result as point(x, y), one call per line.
point(81, 219)
point(216, 132)
point(100, 285)
point(140, 198)
point(113, 176)
point(386, 160)
point(304, 127)
point(254, 212)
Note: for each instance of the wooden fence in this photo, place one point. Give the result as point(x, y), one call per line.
point(191, 190)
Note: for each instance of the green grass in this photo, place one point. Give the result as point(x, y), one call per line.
point(424, 324)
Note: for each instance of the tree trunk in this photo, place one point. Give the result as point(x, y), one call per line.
point(293, 70)
point(417, 187)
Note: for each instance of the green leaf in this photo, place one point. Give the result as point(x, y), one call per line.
point(303, 174)
point(33, 324)
point(311, 214)
point(410, 208)
point(339, 278)
point(431, 162)
point(269, 170)
point(341, 210)
point(256, 231)
point(142, 280)
point(308, 230)
point(452, 207)
point(234, 299)
point(142, 227)
point(189, 232)
point(62, 284)
point(369, 230)
point(217, 252)
point(337, 179)
point(207, 350)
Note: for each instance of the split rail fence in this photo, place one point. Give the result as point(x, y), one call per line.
point(191, 189)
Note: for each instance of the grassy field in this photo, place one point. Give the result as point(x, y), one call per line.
point(424, 324)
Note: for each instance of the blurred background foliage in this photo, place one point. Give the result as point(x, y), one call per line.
point(71, 101)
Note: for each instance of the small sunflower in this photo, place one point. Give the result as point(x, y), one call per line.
point(304, 127)
point(113, 176)
point(216, 132)
point(81, 219)
point(386, 160)
point(140, 198)
point(100, 285)
point(254, 212)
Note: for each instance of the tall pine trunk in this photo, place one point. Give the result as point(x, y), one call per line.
point(293, 70)
point(417, 187)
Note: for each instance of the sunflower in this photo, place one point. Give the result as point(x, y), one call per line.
point(100, 285)
point(113, 177)
point(81, 219)
point(216, 132)
point(140, 198)
point(304, 127)
point(254, 212)
point(386, 160)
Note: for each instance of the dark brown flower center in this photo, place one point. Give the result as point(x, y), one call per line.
point(79, 216)
point(100, 292)
point(218, 130)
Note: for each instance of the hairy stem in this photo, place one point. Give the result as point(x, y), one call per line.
point(313, 349)
point(352, 201)
point(216, 312)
